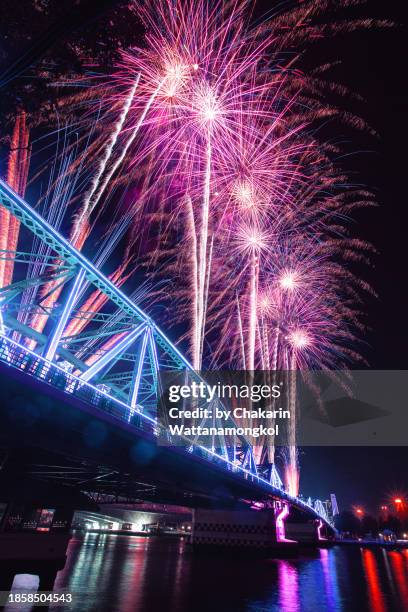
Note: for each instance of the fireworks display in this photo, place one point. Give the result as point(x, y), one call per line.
point(205, 144)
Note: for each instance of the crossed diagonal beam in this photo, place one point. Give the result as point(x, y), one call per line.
point(114, 352)
point(137, 375)
point(53, 341)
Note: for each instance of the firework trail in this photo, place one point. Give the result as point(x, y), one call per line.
point(204, 62)
point(17, 174)
point(91, 201)
point(81, 227)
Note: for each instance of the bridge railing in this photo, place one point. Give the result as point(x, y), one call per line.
point(14, 354)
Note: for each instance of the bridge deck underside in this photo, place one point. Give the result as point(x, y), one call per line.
point(51, 437)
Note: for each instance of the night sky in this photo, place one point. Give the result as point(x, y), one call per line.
point(374, 64)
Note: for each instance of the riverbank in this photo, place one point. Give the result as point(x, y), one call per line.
point(397, 545)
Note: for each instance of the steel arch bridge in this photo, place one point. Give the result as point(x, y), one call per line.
point(98, 346)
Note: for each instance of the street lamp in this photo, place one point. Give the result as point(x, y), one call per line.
point(398, 503)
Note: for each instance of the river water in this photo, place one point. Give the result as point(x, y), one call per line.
point(129, 574)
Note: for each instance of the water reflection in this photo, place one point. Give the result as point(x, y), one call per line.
point(128, 574)
point(375, 593)
point(331, 587)
point(288, 586)
point(399, 565)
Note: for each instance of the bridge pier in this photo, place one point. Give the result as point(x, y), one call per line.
point(259, 531)
point(311, 533)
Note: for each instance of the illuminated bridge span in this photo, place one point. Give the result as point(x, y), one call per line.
point(108, 360)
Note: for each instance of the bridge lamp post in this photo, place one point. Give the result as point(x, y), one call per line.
point(399, 504)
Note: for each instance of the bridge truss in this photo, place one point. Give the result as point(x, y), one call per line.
point(110, 357)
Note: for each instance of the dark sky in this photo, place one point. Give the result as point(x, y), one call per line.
point(375, 65)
